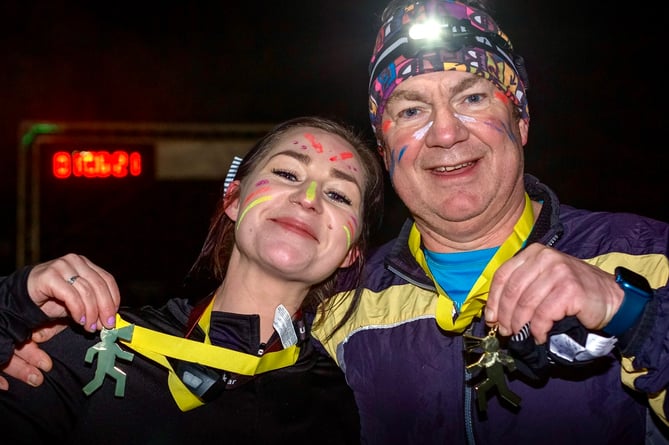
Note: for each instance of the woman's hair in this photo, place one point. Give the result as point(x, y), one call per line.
point(212, 262)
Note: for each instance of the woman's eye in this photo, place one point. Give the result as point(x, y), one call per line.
point(285, 174)
point(338, 197)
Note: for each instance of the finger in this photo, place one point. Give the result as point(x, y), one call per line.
point(4, 384)
point(33, 355)
point(47, 332)
point(107, 294)
point(21, 370)
point(508, 284)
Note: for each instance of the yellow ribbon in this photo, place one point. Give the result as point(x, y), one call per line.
point(478, 295)
point(157, 346)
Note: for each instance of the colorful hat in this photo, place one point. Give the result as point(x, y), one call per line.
point(442, 35)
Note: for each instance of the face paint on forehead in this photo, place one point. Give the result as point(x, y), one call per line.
point(342, 156)
point(314, 143)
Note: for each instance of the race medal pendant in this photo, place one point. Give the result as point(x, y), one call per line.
point(492, 361)
point(107, 351)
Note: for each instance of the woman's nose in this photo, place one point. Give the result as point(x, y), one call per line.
point(308, 196)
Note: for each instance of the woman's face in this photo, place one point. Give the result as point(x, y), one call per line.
point(299, 213)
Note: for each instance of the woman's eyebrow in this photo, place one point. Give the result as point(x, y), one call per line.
point(306, 160)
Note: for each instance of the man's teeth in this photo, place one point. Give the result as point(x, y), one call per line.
point(456, 167)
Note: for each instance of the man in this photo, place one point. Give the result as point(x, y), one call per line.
point(497, 315)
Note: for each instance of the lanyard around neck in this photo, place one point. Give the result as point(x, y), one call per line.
point(158, 346)
point(447, 317)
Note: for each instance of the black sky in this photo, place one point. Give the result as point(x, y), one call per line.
point(597, 86)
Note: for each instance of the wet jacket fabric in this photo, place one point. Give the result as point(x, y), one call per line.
point(409, 376)
point(302, 404)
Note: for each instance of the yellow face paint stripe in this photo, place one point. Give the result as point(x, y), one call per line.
point(348, 237)
point(253, 204)
point(311, 191)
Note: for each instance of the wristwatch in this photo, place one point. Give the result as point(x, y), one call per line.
point(637, 294)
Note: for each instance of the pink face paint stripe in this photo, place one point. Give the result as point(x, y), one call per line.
point(254, 194)
point(253, 204)
point(311, 191)
point(314, 143)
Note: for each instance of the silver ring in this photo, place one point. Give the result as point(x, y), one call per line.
point(72, 279)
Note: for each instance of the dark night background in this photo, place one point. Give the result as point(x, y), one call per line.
point(597, 91)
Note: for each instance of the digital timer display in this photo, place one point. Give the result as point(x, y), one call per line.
point(96, 164)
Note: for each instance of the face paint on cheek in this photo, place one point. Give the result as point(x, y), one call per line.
point(250, 206)
point(420, 134)
point(251, 200)
point(501, 96)
point(311, 191)
point(464, 119)
point(314, 143)
point(510, 134)
point(386, 125)
point(257, 192)
point(348, 237)
point(502, 127)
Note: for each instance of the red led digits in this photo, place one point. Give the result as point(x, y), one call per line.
point(96, 164)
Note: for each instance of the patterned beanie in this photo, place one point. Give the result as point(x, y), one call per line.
point(442, 35)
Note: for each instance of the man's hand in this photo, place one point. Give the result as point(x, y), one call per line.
point(541, 285)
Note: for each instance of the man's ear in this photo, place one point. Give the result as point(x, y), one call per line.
point(231, 200)
point(524, 127)
point(351, 257)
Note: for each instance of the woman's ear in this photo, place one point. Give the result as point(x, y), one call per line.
point(231, 200)
point(351, 257)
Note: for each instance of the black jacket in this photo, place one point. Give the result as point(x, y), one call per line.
point(303, 404)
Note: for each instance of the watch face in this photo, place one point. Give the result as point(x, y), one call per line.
point(633, 280)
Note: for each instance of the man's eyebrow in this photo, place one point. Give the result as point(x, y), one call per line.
point(418, 96)
point(466, 83)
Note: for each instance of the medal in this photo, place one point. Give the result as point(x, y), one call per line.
point(492, 361)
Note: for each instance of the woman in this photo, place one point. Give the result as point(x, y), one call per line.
point(302, 205)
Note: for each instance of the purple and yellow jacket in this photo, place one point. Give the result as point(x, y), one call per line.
point(409, 376)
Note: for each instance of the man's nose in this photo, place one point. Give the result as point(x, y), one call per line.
point(447, 128)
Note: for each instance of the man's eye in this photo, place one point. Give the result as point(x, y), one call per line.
point(474, 98)
point(285, 174)
point(338, 197)
point(408, 113)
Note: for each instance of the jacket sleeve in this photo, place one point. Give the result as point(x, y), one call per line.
point(18, 314)
point(645, 353)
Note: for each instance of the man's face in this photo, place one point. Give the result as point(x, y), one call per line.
point(454, 150)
